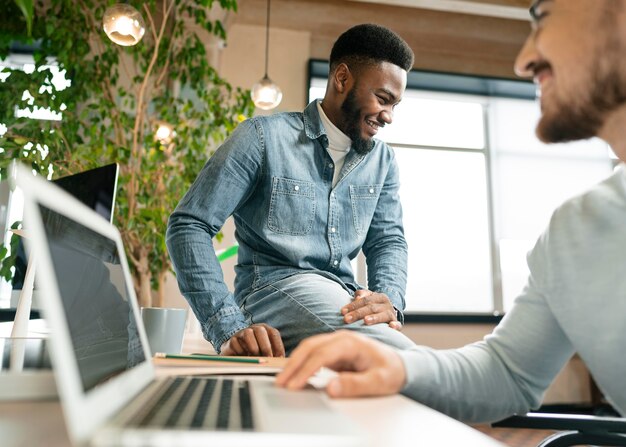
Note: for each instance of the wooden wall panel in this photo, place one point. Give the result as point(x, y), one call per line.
point(442, 41)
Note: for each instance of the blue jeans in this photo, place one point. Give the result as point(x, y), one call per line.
point(308, 304)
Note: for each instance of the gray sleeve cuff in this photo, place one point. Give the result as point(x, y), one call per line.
point(410, 358)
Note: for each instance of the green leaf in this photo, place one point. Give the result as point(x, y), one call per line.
point(26, 6)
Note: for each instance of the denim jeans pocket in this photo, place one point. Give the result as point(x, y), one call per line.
point(364, 199)
point(292, 206)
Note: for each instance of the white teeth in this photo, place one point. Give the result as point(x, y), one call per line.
point(373, 124)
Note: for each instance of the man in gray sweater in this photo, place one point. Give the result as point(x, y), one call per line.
point(575, 298)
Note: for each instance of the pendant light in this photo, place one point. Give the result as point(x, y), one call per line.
point(123, 24)
point(265, 94)
point(164, 132)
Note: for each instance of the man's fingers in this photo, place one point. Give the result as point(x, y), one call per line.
point(372, 314)
point(235, 347)
point(351, 384)
point(269, 341)
point(365, 367)
point(362, 293)
point(374, 308)
point(385, 316)
point(263, 341)
point(276, 341)
point(327, 355)
point(373, 381)
point(360, 313)
point(371, 298)
point(226, 349)
point(256, 340)
point(357, 303)
point(248, 341)
point(395, 324)
point(301, 356)
point(298, 357)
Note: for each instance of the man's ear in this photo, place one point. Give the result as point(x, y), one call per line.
point(342, 78)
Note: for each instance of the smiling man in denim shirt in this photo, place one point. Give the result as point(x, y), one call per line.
point(307, 191)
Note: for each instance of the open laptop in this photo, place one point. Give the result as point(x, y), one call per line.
point(102, 363)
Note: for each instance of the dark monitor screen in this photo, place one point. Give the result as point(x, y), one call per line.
point(95, 297)
point(95, 188)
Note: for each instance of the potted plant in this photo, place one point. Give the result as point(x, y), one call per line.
point(111, 103)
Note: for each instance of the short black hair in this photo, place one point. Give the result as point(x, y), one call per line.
point(369, 43)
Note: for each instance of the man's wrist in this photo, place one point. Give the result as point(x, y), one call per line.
point(393, 296)
point(217, 344)
point(399, 315)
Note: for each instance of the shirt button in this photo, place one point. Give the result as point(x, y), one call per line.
point(335, 262)
point(371, 190)
point(330, 165)
point(297, 188)
point(333, 229)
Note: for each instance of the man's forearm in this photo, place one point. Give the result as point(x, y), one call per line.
point(201, 280)
point(387, 270)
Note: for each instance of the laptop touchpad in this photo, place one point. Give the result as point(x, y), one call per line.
point(283, 400)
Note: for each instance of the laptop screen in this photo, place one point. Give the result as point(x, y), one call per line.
point(95, 298)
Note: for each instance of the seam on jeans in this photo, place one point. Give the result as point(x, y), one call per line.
point(246, 312)
point(303, 307)
point(257, 274)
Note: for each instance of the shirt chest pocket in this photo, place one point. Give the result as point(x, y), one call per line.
point(364, 199)
point(292, 206)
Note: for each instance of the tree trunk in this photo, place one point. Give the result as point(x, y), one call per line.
point(145, 291)
point(160, 297)
point(145, 279)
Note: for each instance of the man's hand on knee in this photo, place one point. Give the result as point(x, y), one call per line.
point(257, 339)
point(372, 307)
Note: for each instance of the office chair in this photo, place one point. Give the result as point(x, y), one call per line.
point(573, 429)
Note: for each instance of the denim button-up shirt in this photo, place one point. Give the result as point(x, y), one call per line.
point(274, 175)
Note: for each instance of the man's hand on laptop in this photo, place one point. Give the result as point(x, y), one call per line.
point(372, 307)
point(366, 367)
point(257, 339)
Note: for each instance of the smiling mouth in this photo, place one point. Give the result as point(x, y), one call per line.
point(373, 125)
point(543, 76)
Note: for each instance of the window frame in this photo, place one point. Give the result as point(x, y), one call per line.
point(482, 86)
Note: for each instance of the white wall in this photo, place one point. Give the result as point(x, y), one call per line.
point(242, 62)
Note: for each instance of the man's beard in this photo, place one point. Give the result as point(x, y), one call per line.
point(571, 120)
point(352, 117)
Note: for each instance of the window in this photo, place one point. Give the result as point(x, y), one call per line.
point(478, 187)
point(11, 203)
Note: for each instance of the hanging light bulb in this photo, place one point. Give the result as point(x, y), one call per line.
point(123, 24)
point(265, 94)
point(164, 132)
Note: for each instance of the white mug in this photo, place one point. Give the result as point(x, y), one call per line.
point(165, 328)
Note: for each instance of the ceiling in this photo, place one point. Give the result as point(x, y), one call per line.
point(509, 9)
point(463, 36)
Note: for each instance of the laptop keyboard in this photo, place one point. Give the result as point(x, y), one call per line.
point(199, 403)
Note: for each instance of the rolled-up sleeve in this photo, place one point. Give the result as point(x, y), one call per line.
point(385, 246)
point(226, 180)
